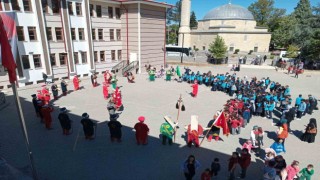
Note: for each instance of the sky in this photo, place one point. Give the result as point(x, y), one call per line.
point(201, 7)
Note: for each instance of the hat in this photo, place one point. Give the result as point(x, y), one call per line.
point(39, 91)
point(63, 109)
point(194, 122)
point(85, 115)
point(44, 85)
point(255, 127)
point(168, 119)
point(33, 95)
point(141, 118)
point(282, 121)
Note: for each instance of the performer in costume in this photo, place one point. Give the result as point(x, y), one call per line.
point(152, 75)
point(214, 131)
point(115, 130)
point(114, 81)
point(36, 104)
point(46, 94)
point(105, 90)
point(168, 75)
point(119, 105)
point(167, 131)
point(46, 113)
point(88, 126)
point(94, 79)
point(64, 87)
point(193, 132)
point(112, 110)
point(142, 131)
point(65, 121)
point(76, 83)
point(194, 89)
point(55, 91)
point(107, 76)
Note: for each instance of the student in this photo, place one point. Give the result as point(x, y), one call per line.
point(233, 161)
point(206, 175)
point(278, 146)
point(306, 173)
point(301, 109)
point(215, 167)
point(189, 167)
point(244, 162)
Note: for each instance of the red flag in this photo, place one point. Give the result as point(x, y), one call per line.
point(6, 53)
point(222, 123)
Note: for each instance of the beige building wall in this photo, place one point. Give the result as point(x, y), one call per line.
point(152, 35)
point(202, 40)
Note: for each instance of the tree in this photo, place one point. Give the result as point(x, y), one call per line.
point(174, 14)
point(261, 11)
point(303, 11)
point(282, 35)
point(193, 20)
point(292, 51)
point(218, 48)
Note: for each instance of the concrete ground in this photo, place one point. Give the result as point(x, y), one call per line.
point(100, 159)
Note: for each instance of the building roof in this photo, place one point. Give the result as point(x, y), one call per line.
point(229, 12)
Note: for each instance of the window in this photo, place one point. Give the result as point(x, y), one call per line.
point(245, 37)
point(95, 56)
point(255, 49)
point(81, 34)
point(44, 5)
point(102, 56)
point(20, 33)
point(118, 34)
point(27, 5)
point(15, 5)
point(76, 57)
point(231, 49)
point(49, 33)
point(203, 48)
point(59, 35)
point(119, 54)
point(110, 12)
point(73, 34)
point(32, 33)
point(37, 60)
point(93, 31)
point(62, 58)
point(98, 10)
point(100, 34)
point(113, 55)
point(55, 6)
point(84, 57)
point(25, 61)
point(91, 9)
point(70, 8)
point(118, 13)
point(53, 59)
point(111, 34)
point(79, 9)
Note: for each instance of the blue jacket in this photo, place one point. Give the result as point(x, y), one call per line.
point(298, 100)
point(278, 147)
point(246, 115)
point(302, 107)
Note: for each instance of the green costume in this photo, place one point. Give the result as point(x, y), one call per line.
point(168, 75)
point(167, 130)
point(114, 81)
point(178, 71)
point(152, 75)
point(305, 174)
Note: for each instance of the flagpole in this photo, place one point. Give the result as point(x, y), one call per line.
point(24, 129)
point(210, 128)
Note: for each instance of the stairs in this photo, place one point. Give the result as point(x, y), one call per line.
point(133, 65)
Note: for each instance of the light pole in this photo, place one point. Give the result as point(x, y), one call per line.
point(180, 106)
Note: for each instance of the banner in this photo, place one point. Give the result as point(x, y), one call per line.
point(222, 123)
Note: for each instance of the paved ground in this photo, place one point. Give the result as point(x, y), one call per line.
point(100, 159)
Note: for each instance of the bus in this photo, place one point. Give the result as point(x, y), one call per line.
point(177, 50)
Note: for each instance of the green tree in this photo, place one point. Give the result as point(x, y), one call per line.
point(262, 11)
point(292, 51)
point(218, 48)
point(193, 20)
point(174, 14)
point(282, 35)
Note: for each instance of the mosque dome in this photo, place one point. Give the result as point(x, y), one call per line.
point(229, 12)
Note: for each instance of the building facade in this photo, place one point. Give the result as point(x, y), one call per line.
point(62, 38)
point(235, 24)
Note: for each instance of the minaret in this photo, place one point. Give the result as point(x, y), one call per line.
point(184, 30)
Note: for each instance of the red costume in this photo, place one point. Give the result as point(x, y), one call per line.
point(119, 101)
point(107, 77)
point(115, 95)
point(193, 135)
point(105, 90)
point(76, 83)
point(195, 89)
point(46, 114)
point(142, 131)
point(45, 95)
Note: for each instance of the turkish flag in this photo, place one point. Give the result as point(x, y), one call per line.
point(221, 122)
point(6, 53)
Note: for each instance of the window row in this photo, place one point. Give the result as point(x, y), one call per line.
point(16, 6)
point(101, 56)
point(96, 11)
point(111, 34)
point(78, 8)
point(80, 34)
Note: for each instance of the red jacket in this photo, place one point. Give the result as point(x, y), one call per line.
point(245, 160)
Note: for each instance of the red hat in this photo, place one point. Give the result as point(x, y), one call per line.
point(141, 118)
point(39, 91)
point(44, 85)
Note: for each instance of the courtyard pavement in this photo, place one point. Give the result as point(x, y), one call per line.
point(100, 159)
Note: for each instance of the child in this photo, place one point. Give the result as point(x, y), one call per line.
point(233, 161)
point(278, 147)
point(215, 167)
point(260, 136)
point(248, 145)
point(307, 172)
point(235, 124)
point(206, 175)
